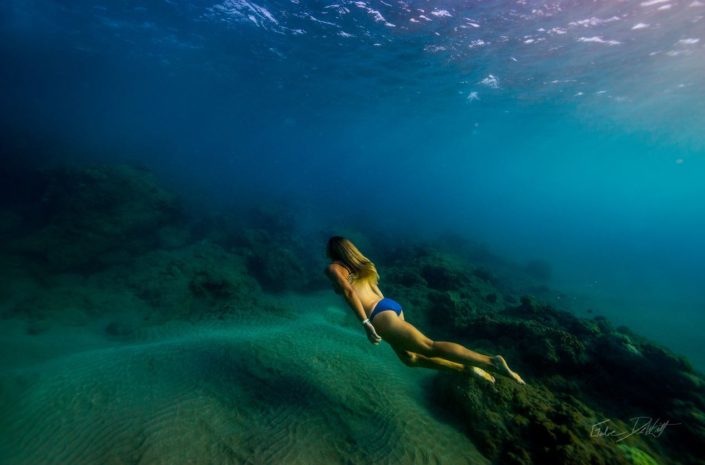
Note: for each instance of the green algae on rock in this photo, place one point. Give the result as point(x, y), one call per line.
point(637, 456)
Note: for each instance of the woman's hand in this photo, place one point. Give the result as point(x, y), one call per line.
point(372, 334)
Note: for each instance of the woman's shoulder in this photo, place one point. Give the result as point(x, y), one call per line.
point(336, 266)
point(348, 274)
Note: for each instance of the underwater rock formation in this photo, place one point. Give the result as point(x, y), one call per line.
point(107, 238)
point(199, 281)
point(195, 282)
point(514, 424)
point(580, 373)
point(276, 254)
point(92, 215)
point(440, 289)
point(275, 266)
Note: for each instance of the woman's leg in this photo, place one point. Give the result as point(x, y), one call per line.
point(412, 359)
point(404, 336)
point(454, 351)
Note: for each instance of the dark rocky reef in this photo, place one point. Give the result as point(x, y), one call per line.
point(201, 280)
point(91, 216)
point(580, 373)
point(514, 424)
point(277, 255)
point(440, 288)
point(103, 239)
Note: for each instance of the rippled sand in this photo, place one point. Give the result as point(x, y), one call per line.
point(287, 389)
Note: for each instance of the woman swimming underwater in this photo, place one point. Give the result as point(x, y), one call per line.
point(355, 277)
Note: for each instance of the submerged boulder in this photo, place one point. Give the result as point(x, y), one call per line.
point(615, 374)
point(513, 424)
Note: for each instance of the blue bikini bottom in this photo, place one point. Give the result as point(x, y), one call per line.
point(385, 304)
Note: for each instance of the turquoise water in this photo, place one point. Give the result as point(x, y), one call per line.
point(568, 132)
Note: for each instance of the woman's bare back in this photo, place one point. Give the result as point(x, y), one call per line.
point(364, 290)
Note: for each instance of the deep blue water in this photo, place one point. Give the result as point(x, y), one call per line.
point(570, 131)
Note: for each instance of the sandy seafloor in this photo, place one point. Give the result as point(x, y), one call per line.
point(294, 388)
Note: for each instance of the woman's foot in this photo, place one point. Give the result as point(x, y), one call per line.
point(479, 372)
point(501, 365)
